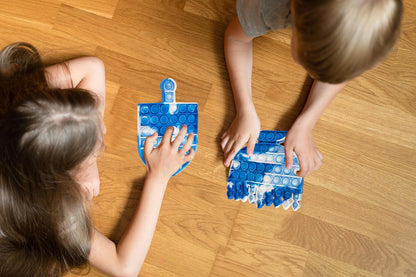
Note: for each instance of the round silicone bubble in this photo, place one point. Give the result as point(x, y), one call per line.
point(168, 85)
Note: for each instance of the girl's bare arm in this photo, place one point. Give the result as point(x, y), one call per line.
point(127, 257)
point(86, 72)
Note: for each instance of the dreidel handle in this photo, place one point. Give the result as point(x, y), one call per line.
point(168, 87)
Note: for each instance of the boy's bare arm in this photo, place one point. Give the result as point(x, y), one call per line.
point(299, 138)
point(245, 128)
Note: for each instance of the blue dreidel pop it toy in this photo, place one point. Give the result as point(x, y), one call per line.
point(263, 178)
point(156, 117)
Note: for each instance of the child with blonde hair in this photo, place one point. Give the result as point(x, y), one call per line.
point(51, 131)
point(335, 41)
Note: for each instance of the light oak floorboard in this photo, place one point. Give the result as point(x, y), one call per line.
point(358, 213)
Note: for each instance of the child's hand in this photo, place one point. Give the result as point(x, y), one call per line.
point(299, 139)
point(244, 129)
point(162, 162)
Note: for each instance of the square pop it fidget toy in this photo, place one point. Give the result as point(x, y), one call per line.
point(262, 178)
point(156, 117)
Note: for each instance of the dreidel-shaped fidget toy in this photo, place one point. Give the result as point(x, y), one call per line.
point(262, 178)
point(156, 117)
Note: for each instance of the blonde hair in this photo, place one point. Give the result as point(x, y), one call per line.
point(45, 135)
point(338, 40)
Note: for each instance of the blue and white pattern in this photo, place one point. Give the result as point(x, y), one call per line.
point(156, 117)
point(263, 178)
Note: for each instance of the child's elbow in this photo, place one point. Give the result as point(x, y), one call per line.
point(95, 64)
point(128, 271)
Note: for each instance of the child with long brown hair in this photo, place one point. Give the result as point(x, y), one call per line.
point(335, 41)
point(51, 131)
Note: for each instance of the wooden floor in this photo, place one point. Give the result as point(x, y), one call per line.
point(358, 214)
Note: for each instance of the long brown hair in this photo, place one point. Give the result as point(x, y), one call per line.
point(338, 40)
point(45, 135)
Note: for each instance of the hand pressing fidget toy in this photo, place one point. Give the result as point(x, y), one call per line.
point(262, 178)
point(156, 117)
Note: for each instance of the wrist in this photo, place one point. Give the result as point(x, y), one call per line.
point(157, 178)
point(305, 122)
point(246, 110)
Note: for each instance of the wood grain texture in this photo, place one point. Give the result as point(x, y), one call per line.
point(358, 214)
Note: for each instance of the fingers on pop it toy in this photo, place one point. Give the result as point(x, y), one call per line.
point(157, 117)
point(262, 178)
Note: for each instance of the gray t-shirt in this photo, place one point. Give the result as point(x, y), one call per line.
point(257, 17)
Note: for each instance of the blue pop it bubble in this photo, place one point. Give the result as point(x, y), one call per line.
point(156, 117)
point(263, 178)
